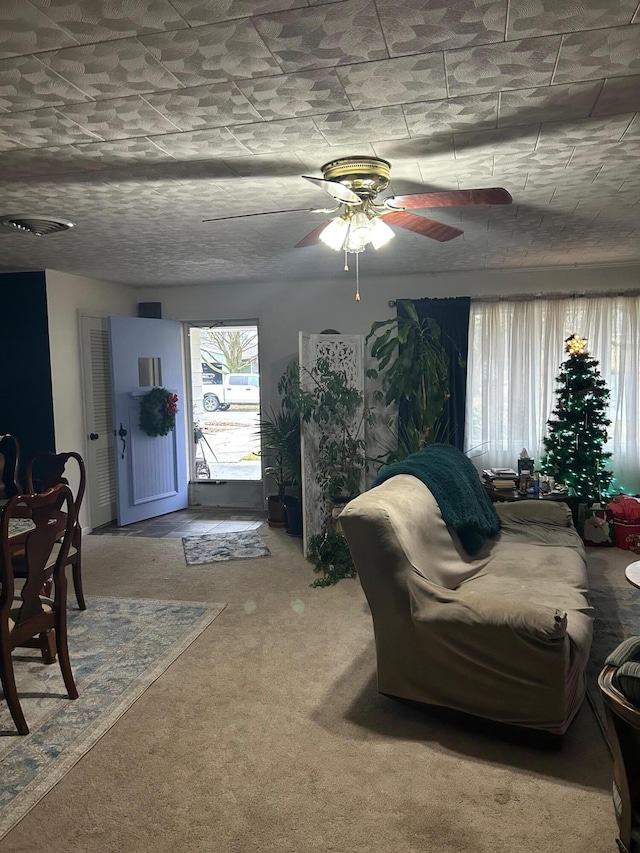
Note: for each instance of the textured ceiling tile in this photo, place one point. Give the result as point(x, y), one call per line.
point(517, 140)
point(24, 29)
point(394, 81)
point(512, 65)
point(440, 147)
point(291, 95)
point(205, 106)
point(599, 53)
point(414, 26)
point(633, 131)
point(435, 117)
point(42, 161)
point(123, 152)
point(6, 143)
point(111, 69)
point(546, 17)
point(43, 127)
point(318, 36)
point(217, 142)
point(26, 84)
point(118, 118)
point(279, 135)
point(590, 131)
point(619, 95)
point(89, 21)
point(365, 125)
point(213, 54)
point(548, 103)
point(198, 12)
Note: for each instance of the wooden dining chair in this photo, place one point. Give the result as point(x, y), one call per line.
point(25, 614)
point(9, 466)
point(619, 684)
point(48, 469)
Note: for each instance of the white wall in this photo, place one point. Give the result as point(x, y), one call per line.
point(68, 297)
point(284, 308)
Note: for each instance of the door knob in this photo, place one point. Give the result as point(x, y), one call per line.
point(93, 436)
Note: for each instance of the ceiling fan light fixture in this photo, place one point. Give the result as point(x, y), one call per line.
point(335, 233)
point(358, 235)
point(379, 233)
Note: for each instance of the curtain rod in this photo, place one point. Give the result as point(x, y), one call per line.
point(525, 297)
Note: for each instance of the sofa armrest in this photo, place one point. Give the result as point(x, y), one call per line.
point(468, 610)
point(552, 513)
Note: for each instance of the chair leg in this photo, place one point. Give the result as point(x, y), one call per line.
point(65, 663)
point(11, 693)
point(48, 646)
point(77, 579)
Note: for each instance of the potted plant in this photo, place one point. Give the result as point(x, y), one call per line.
point(280, 432)
point(326, 398)
point(414, 369)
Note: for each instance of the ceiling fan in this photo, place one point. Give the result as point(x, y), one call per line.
point(363, 219)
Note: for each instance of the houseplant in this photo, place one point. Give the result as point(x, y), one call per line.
point(280, 433)
point(414, 372)
point(323, 395)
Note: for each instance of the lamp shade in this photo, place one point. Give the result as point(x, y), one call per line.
point(379, 233)
point(334, 234)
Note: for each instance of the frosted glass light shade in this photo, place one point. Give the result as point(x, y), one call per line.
point(334, 234)
point(379, 233)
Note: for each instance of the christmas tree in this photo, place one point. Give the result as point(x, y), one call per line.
point(578, 426)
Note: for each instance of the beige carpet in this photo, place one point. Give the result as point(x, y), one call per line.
point(267, 734)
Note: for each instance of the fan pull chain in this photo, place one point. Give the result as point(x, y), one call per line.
point(346, 261)
point(357, 278)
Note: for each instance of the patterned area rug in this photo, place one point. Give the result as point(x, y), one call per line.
point(118, 648)
point(617, 616)
point(212, 548)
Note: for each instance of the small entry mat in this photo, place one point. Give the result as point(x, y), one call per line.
point(216, 548)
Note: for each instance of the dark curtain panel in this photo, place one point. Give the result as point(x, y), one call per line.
point(26, 397)
point(452, 315)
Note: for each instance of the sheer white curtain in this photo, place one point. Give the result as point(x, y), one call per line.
point(515, 351)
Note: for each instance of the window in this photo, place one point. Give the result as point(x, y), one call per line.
point(515, 351)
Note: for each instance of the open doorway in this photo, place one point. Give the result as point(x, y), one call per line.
point(225, 380)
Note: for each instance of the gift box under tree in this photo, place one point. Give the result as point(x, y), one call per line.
point(626, 522)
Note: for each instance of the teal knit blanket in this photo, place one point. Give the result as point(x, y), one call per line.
point(455, 484)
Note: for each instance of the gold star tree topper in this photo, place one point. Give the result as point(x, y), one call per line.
point(576, 345)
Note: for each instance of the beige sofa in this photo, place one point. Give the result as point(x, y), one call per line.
point(504, 635)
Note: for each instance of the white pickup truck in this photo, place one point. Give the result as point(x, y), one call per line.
point(237, 389)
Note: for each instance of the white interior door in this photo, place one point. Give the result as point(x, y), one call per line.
point(151, 471)
point(101, 472)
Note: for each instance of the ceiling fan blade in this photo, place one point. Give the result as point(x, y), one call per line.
point(336, 189)
point(262, 213)
point(449, 198)
point(312, 237)
point(426, 227)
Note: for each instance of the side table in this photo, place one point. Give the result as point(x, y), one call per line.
point(569, 498)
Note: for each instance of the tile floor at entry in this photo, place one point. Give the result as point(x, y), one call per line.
point(188, 522)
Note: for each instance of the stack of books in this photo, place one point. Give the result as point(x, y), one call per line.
point(500, 478)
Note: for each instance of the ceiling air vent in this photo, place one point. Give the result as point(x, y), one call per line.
point(36, 225)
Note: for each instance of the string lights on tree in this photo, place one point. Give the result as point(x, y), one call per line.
point(578, 426)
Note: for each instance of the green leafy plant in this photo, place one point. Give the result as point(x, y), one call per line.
point(330, 554)
point(327, 398)
point(280, 433)
point(414, 371)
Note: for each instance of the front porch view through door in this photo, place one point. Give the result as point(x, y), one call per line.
point(225, 381)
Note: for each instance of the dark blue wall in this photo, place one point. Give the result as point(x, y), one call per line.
point(26, 397)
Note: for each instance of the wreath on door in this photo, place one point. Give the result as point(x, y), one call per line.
point(158, 410)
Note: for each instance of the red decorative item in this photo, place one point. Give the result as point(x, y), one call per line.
point(171, 405)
